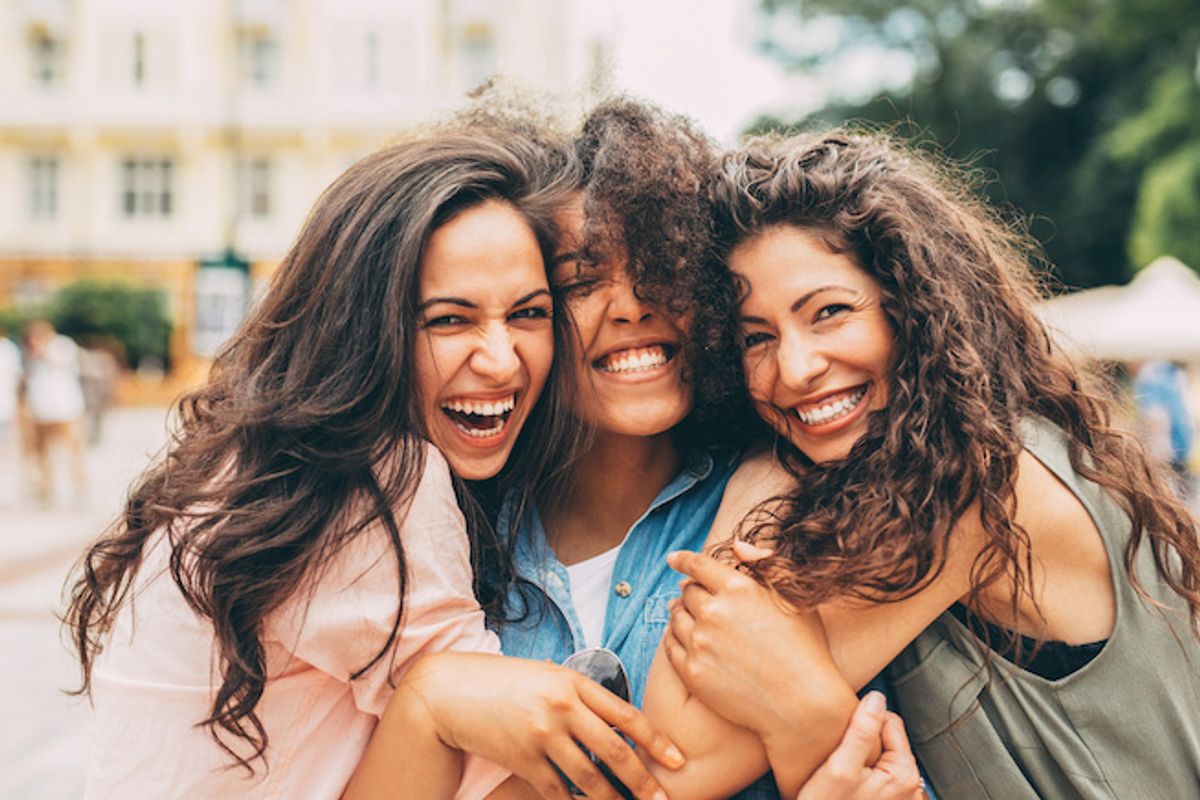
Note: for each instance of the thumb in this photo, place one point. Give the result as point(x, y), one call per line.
point(748, 553)
point(860, 745)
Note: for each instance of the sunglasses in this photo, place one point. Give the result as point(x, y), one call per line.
point(605, 668)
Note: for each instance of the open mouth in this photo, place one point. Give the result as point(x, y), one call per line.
point(636, 359)
point(480, 419)
point(833, 408)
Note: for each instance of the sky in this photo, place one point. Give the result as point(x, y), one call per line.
point(699, 57)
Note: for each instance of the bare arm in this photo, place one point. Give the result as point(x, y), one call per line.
point(527, 716)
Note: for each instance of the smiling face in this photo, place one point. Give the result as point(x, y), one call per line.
point(629, 351)
point(818, 346)
point(485, 341)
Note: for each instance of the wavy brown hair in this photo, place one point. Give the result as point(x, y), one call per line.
point(972, 362)
point(308, 430)
point(644, 181)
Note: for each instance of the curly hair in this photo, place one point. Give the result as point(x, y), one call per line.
point(645, 184)
point(972, 362)
point(308, 430)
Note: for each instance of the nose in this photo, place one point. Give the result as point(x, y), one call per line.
point(801, 364)
point(624, 305)
point(495, 357)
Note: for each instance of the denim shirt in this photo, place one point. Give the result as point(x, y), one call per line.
point(547, 626)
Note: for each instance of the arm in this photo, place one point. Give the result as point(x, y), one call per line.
point(524, 715)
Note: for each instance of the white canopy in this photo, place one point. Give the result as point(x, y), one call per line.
point(1157, 315)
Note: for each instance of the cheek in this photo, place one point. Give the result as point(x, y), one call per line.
point(760, 375)
point(536, 350)
point(433, 362)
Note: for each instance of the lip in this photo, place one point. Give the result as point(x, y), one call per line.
point(836, 425)
point(488, 442)
point(643, 375)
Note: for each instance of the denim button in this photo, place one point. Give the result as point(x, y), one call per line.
point(623, 589)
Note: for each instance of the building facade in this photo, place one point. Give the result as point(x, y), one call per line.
point(179, 144)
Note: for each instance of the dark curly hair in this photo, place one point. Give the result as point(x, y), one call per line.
point(972, 362)
point(645, 184)
point(308, 430)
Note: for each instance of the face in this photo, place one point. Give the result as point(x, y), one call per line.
point(818, 347)
point(485, 340)
point(629, 352)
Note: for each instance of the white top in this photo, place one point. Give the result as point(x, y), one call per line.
point(590, 581)
point(10, 376)
point(154, 679)
point(52, 382)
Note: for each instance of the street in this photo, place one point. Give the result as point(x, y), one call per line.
point(44, 736)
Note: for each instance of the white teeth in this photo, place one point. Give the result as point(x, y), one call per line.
point(639, 360)
point(483, 433)
point(481, 408)
point(834, 410)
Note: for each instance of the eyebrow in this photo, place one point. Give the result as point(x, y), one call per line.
point(800, 301)
point(464, 303)
point(563, 258)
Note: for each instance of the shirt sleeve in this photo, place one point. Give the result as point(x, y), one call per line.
point(345, 621)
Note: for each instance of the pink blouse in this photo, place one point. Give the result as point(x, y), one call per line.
point(155, 677)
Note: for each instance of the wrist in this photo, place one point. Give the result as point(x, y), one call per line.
point(814, 713)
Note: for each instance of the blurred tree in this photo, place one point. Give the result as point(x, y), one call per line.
point(134, 318)
point(1050, 96)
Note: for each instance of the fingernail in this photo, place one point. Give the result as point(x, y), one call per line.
point(660, 795)
point(674, 754)
point(875, 703)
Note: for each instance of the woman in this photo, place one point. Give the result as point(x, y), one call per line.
point(631, 266)
point(956, 493)
point(300, 542)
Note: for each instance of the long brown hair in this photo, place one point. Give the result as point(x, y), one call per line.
point(973, 361)
point(308, 429)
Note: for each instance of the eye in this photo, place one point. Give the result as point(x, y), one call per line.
point(531, 312)
point(755, 338)
point(445, 321)
point(576, 288)
point(832, 310)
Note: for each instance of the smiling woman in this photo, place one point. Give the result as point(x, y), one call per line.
point(486, 338)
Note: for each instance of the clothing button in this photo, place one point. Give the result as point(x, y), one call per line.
point(623, 589)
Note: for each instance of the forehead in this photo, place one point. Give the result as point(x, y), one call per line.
point(796, 257)
point(486, 248)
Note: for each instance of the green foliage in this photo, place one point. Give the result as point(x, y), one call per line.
point(1167, 220)
point(133, 318)
point(1050, 96)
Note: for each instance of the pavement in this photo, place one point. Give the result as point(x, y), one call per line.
point(44, 734)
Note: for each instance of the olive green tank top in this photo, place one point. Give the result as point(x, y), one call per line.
point(1126, 725)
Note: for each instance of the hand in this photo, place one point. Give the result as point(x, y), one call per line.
point(525, 714)
point(848, 773)
point(744, 655)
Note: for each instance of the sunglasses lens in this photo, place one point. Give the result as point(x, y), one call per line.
point(605, 668)
point(602, 666)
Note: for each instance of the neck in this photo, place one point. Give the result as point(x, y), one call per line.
point(611, 487)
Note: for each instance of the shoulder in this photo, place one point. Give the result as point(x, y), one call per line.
point(758, 478)
point(434, 504)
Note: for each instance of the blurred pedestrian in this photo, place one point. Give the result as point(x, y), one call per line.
point(54, 396)
point(10, 382)
point(1168, 428)
point(98, 368)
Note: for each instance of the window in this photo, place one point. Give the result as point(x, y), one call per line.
point(47, 58)
point(258, 57)
point(43, 187)
point(138, 53)
point(254, 188)
point(147, 187)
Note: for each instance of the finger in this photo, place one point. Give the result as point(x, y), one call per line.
point(546, 781)
point(861, 740)
point(617, 755)
point(694, 597)
point(580, 770)
point(705, 570)
point(897, 759)
point(631, 722)
point(748, 553)
point(676, 653)
point(681, 626)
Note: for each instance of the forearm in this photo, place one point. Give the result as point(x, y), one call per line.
point(808, 727)
point(405, 756)
point(721, 757)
